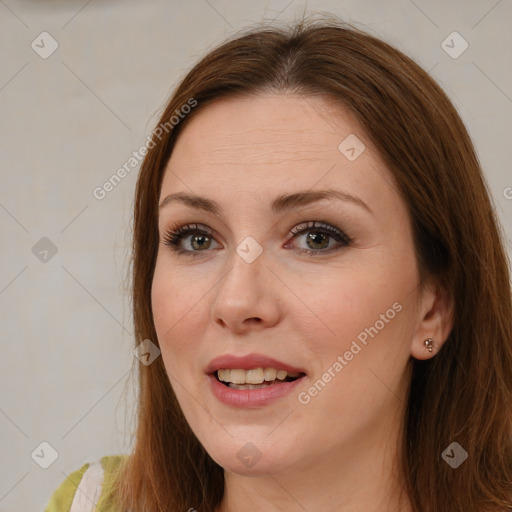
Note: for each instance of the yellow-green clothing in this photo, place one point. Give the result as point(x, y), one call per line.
point(88, 488)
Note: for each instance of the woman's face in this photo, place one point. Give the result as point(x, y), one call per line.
point(279, 280)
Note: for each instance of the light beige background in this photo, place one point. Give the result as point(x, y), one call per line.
point(71, 120)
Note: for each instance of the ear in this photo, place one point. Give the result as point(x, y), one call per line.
point(435, 320)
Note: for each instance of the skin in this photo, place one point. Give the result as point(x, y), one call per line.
point(338, 451)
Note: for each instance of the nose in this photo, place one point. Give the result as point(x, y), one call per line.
point(247, 296)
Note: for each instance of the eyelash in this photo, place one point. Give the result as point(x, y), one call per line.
point(173, 236)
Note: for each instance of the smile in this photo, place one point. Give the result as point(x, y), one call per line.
point(251, 381)
point(256, 378)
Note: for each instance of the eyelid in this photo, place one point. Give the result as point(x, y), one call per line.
point(175, 230)
point(320, 225)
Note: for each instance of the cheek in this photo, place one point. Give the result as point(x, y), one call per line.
point(372, 317)
point(178, 323)
point(365, 315)
point(347, 301)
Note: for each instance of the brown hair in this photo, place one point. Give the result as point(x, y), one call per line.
point(464, 393)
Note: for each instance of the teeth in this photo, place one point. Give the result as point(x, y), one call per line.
point(238, 377)
point(253, 376)
point(270, 374)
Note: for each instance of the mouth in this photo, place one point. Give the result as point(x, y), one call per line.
point(255, 378)
point(252, 381)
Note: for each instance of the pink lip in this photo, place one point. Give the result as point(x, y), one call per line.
point(250, 398)
point(248, 362)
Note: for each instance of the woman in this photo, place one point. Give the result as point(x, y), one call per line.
point(317, 259)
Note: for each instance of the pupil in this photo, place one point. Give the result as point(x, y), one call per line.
point(198, 238)
point(314, 237)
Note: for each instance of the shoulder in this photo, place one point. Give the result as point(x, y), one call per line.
point(85, 487)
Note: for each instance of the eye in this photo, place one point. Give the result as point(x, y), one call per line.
point(318, 237)
point(200, 239)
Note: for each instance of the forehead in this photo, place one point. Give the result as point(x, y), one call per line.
point(272, 143)
point(256, 127)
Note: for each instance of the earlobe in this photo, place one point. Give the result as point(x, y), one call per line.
point(435, 322)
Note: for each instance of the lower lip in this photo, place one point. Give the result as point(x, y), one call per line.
point(251, 398)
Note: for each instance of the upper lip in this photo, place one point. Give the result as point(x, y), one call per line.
point(248, 362)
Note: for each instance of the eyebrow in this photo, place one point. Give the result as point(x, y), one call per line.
point(281, 203)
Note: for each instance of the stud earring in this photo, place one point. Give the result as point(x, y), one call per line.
point(429, 343)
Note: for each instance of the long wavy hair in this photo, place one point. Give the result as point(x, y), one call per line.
point(464, 393)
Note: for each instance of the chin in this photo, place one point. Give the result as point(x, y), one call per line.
point(252, 458)
point(232, 464)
